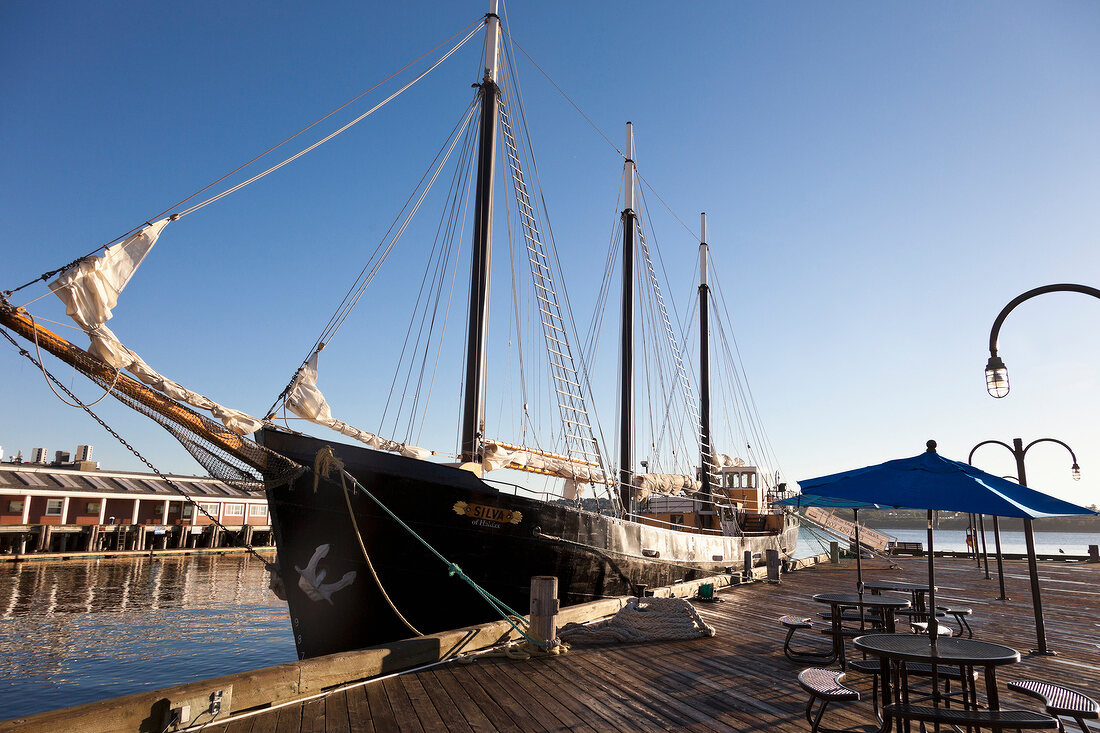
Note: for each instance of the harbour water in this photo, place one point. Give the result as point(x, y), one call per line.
point(76, 631)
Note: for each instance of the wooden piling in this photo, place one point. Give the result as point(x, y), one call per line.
point(544, 609)
point(772, 559)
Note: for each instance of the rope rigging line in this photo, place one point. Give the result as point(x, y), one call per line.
point(519, 328)
point(561, 91)
point(368, 270)
point(572, 103)
point(652, 346)
point(325, 462)
point(331, 463)
point(382, 250)
point(328, 137)
point(45, 374)
point(592, 342)
point(582, 362)
point(471, 29)
point(677, 414)
point(454, 229)
point(763, 440)
point(576, 433)
point(87, 408)
point(431, 289)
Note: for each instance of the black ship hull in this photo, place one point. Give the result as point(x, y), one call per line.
point(499, 538)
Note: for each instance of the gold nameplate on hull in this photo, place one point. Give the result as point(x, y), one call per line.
point(488, 513)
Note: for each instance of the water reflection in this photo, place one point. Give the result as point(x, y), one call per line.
point(77, 631)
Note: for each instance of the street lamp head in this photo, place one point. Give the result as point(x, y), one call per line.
point(1076, 472)
point(996, 377)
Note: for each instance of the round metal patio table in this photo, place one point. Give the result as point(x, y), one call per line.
point(965, 654)
point(916, 590)
point(885, 605)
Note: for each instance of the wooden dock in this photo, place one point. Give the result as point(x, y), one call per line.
point(737, 681)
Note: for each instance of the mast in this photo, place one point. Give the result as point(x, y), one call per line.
point(626, 424)
point(706, 458)
point(473, 412)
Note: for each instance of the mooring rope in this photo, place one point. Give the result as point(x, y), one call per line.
point(513, 618)
point(324, 464)
point(644, 619)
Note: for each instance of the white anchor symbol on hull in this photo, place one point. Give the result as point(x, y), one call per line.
point(311, 581)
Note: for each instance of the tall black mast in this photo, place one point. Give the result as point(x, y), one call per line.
point(473, 412)
point(706, 459)
point(626, 423)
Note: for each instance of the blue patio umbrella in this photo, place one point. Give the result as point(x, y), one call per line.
point(829, 502)
point(930, 481)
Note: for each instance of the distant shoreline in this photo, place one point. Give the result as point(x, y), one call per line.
point(1084, 524)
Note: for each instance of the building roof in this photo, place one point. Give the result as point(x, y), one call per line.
point(23, 477)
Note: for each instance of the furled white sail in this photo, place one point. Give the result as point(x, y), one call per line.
point(721, 460)
point(666, 483)
point(90, 290)
point(497, 455)
point(306, 401)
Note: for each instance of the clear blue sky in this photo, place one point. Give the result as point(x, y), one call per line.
point(881, 178)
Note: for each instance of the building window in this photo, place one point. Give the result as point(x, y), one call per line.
point(16, 506)
point(92, 508)
point(211, 508)
point(234, 510)
point(187, 511)
point(53, 507)
point(257, 510)
point(676, 519)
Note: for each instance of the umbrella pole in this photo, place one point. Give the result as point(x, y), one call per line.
point(859, 567)
point(933, 625)
point(985, 551)
point(974, 539)
point(1000, 563)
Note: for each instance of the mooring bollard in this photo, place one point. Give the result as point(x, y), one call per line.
point(544, 609)
point(834, 552)
point(748, 566)
point(1094, 553)
point(772, 558)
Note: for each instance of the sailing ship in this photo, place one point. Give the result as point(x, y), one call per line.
point(369, 535)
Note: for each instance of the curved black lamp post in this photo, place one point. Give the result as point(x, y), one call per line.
point(1019, 452)
point(996, 373)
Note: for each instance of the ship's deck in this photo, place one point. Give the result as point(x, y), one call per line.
point(737, 681)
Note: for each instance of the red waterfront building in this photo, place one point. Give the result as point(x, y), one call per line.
point(71, 506)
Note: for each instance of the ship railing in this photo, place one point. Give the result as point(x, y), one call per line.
point(660, 524)
point(604, 508)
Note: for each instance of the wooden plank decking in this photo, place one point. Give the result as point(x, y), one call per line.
point(736, 681)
